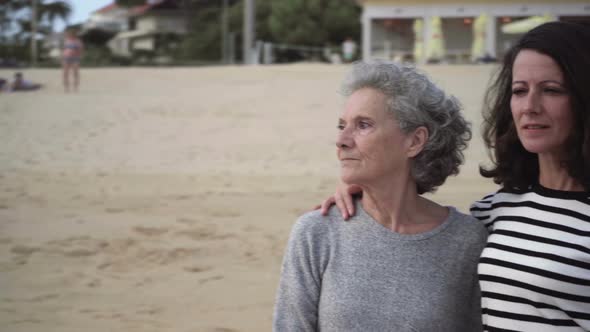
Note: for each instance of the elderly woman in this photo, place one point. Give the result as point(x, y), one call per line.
point(403, 263)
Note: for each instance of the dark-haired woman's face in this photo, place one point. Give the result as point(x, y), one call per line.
point(540, 104)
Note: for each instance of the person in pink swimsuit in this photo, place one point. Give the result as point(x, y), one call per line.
point(71, 55)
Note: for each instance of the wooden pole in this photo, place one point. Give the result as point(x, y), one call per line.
point(34, 33)
point(224, 32)
point(249, 30)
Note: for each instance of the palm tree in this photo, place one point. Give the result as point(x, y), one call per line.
point(46, 12)
point(53, 11)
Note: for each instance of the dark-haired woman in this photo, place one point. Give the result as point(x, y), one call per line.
point(535, 270)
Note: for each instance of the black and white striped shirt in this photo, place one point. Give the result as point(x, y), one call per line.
point(535, 270)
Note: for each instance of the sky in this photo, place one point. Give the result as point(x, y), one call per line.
point(81, 9)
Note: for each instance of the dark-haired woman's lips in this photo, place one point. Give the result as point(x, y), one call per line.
point(535, 126)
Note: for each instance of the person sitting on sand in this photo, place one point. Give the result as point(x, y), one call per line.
point(3, 85)
point(20, 84)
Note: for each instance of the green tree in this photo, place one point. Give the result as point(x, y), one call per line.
point(314, 22)
point(203, 41)
point(15, 16)
point(299, 22)
point(16, 28)
point(56, 10)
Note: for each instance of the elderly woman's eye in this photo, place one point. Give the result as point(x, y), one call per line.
point(340, 127)
point(364, 125)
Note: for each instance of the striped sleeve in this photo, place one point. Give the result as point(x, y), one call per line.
point(535, 270)
point(482, 210)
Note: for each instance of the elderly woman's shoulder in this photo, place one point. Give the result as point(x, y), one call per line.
point(315, 216)
point(470, 224)
point(315, 222)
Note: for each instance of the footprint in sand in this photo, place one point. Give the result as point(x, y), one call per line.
point(94, 283)
point(186, 221)
point(150, 311)
point(82, 252)
point(181, 197)
point(77, 246)
point(214, 278)
point(150, 231)
point(44, 297)
point(205, 233)
point(197, 269)
point(22, 253)
point(21, 249)
point(114, 210)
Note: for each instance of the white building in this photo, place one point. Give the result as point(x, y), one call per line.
point(388, 25)
point(111, 18)
point(150, 28)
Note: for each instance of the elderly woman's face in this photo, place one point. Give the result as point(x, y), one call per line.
point(540, 104)
point(370, 146)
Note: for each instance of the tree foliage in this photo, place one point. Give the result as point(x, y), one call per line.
point(314, 22)
point(299, 22)
point(16, 20)
point(205, 29)
point(16, 24)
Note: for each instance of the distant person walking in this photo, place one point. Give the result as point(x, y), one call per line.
point(348, 50)
point(71, 55)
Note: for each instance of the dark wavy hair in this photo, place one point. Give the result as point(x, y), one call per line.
point(568, 44)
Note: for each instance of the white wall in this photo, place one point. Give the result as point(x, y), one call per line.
point(162, 22)
point(455, 37)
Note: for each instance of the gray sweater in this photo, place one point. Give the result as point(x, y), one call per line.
point(360, 276)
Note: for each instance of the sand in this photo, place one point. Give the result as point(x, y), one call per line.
point(160, 199)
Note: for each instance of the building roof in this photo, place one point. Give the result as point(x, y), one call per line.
point(155, 4)
point(107, 8)
point(141, 9)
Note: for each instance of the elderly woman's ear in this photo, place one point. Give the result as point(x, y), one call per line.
point(418, 139)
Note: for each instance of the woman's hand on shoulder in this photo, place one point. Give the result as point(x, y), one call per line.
point(343, 200)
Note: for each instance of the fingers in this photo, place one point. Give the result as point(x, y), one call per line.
point(326, 205)
point(347, 196)
point(341, 204)
point(348, 205)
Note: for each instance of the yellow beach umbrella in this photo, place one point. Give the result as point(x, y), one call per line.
point(523, 26)
point(418, 40)
point(436, 45)
point(479, 37)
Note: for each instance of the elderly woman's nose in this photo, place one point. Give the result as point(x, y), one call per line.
point(344, 138)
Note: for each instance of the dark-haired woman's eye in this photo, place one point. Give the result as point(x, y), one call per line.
point(555, 91)
point(518, 92)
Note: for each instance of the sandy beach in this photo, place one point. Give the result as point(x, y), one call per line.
point(160, 199)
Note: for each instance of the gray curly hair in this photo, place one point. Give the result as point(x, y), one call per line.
point(414, 100)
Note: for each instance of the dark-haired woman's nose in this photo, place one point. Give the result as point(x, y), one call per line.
point(531, 103)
